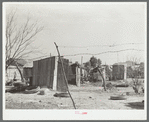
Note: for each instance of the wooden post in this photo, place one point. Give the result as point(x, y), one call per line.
point(81, 71)
point(125, 71)
point(81, 60)
point(55, 74)
point(66, 82)
point(78, 75)
point(104, 73)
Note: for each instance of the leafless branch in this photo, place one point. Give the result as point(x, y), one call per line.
point(19, 38)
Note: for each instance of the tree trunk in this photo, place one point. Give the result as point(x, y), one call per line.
point(22, 79)
point(6, 69)
point(104, 84)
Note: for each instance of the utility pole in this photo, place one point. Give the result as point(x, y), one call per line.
point(117, 57)
point(81, 60)
point(117, 66)
point(81, 69)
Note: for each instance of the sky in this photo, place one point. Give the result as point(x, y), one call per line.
point(84, 27)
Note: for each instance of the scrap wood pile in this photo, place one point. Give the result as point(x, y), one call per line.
point(61, 95)
point(22, 87)
point(9, 83)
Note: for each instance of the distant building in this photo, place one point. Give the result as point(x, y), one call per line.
point(76, 74)
point(12, 71)
point(119, 72)
point(142, 69)
point(28, 72)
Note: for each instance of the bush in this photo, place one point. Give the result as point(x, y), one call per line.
point(138, 86)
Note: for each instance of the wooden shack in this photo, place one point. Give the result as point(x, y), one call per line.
point(28, 72)
point(74, 75)
point(48, 72)
point(119, 72)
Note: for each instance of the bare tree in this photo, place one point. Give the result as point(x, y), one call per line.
point(134, 73)
point(19, 38)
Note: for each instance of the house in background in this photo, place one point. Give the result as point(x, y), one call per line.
point(74, 74)
point(84, 73)
point(13, 73)
point(142, 69)
point(130, 68)
point(77, 74)
point(119, 72)
point(28, 72)
point(12, 70)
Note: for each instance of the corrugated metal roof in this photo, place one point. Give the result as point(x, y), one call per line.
point(21, 62)
point(30, 64)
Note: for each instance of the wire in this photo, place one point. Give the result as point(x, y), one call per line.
point(88, 53)
point(102, 52)
point(114, 45)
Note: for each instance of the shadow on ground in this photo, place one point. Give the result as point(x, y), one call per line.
point(135, 105)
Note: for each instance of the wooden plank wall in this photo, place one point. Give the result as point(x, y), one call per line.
point(27, 72)
point(61, 86)
point(44, 72)
point(35, 73)
point(118, 72)
point(72, 74)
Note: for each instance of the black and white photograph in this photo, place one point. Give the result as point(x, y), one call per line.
point(74, 60)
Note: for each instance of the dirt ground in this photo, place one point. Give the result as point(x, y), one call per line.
point(88, 96)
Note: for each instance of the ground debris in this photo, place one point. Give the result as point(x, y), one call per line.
point(111, 87)
point(85, 97)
